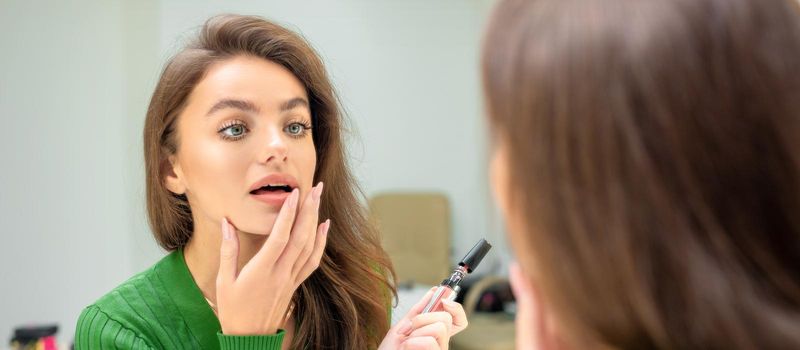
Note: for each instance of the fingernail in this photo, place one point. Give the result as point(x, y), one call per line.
point(317, 193)
point(226, 232)
point(405, 329)
point(327, 226)
point(448, 302)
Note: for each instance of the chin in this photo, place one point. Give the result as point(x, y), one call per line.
point(259, 224)
point(256, 233)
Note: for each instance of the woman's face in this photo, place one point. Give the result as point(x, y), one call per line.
point(499, 174)
point(528, 318)
point(247, 124)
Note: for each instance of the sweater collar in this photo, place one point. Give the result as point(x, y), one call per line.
point(188, 298)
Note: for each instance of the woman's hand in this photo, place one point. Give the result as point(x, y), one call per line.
point(426, 331)
point(254, 300)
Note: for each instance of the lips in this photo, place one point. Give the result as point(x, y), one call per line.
point(275, 183)
point(273, 189)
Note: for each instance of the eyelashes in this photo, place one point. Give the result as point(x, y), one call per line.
point(235, 130)
point(298, 129)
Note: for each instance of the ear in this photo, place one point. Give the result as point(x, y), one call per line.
point(173, 176)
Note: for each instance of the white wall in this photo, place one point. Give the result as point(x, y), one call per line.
point(75, 80)
point(63, 202)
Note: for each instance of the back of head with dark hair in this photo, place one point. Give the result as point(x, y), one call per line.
point(655, 149)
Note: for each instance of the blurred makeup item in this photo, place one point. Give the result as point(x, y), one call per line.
point(449, 288)
point(39, 337)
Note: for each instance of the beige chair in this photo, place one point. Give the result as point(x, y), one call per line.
point(415, 230)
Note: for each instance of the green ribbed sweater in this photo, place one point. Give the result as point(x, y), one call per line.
point(160, 308)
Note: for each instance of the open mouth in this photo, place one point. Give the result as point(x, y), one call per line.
point(272, 189)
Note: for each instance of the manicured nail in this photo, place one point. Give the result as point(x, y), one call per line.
point(317, 192)
point(327, 227)
point(448, 302)
point(226, 231)
point(405, 329)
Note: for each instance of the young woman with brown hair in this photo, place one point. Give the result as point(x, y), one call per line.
point(647, 161)
point(242, 124)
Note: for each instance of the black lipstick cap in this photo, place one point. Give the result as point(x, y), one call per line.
point(475, 255)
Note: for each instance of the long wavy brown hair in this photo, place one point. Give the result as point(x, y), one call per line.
point(654, 151)
point(345, 303)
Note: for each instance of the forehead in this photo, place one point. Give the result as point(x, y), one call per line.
point(264, 82)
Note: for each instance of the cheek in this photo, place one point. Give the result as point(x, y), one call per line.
point(515, 224)
point(498, 174)
point(307, 163)
point(212, 170)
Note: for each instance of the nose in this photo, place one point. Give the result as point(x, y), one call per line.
point(277, 149)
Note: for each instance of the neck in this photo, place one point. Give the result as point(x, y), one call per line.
point(202, 254)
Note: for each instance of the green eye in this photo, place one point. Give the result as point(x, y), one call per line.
point(236, 130)
point(233, 132)
point(295, 129)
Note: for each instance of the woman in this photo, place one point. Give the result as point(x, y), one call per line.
point(647, 160)
point(244, 154)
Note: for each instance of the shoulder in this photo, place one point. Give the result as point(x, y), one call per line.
point(125, 297)
point(139, 313)
point(97, 329)
point(119, 318)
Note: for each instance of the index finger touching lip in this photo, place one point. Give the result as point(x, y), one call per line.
point(305, 223)
point(279, 236)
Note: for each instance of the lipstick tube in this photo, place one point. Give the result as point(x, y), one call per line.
point(449, 287)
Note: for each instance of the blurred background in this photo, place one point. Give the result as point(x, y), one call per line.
point(75, 81)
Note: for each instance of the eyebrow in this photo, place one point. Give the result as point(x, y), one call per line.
point(251, 107)
point(294, 103)
point(243, 105)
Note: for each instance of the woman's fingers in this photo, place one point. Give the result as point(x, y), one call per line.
point(228, 255)
point(420, 343)
point(420, 305)
point(293, 237)
point(301, 241)
point(437, 330)
point(404, 326)
point(397, 337)
point(432, 330)
point(456, 311)
point(279, 237)
point(439, 317)
point(312, 262)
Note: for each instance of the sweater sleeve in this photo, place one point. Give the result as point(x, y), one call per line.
point(95, 330)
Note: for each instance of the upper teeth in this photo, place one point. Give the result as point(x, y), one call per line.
point(277, 185)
